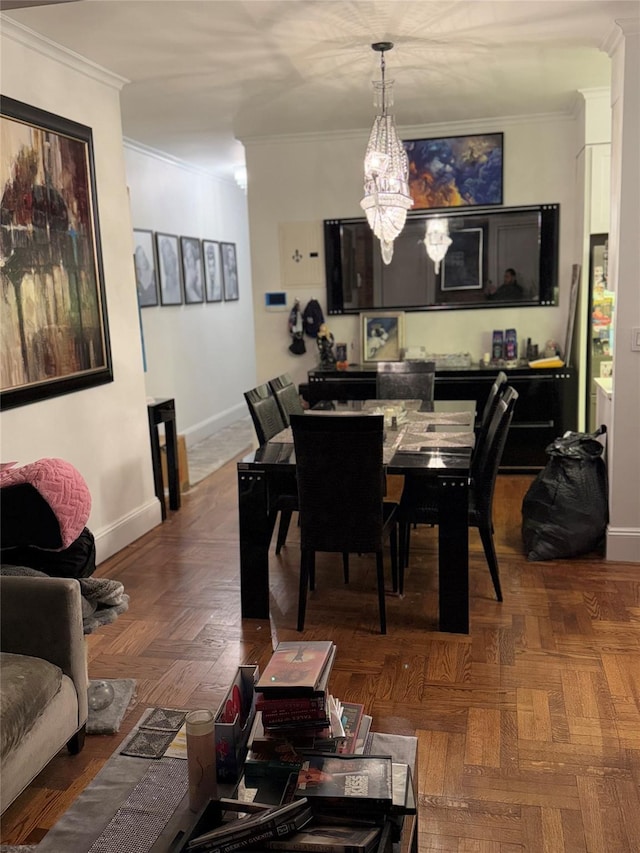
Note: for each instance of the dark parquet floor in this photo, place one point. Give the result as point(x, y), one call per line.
point(529, 727)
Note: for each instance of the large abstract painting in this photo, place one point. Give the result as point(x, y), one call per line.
point(455, 171)
point(53, 321)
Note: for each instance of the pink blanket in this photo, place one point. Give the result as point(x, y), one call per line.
point(62, 486)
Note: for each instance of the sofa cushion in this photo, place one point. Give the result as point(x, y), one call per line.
point(27, 686)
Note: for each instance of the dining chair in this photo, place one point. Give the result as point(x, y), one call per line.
point(419, 504)
point(405, 380)
point(495, 392)
point(287, 396)
point(268, 422)
point(340, 476)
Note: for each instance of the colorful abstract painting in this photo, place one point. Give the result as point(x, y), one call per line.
point(455, 171)
point(53, 322)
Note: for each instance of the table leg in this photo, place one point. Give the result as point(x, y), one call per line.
point(255, 536)
point(156, 464)
point(172, 463)
point(453, 553)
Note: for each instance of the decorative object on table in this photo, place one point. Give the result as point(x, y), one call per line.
point(192, 270)
point(386, 170)
point(201, 758)
point(455, 171)
point(146, 267)
point(296, 330)
point(342, 360)
point(437, 240)
point(212, 271)
point(382, 336)
point(325, 341)
point(312, 318)
point(170, 269)
point(57, 334)
point(229, 271)
point(107, 720)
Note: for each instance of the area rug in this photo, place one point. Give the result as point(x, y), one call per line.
point(107, 721)
point(216, 450)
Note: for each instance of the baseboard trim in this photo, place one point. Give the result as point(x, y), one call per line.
point(623, 544)
point(126, 530)
point(204, 429)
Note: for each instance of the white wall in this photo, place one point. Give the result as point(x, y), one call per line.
point(102, 431)
point(320, 177)
point(201, 355)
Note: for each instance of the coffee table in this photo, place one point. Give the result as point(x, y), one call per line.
point(141, 805)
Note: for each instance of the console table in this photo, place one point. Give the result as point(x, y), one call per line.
point(547, 405)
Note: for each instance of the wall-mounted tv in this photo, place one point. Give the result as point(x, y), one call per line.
point(485, 243)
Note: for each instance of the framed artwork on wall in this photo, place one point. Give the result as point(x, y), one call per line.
point(229, 271)
point(463, 264)
point(212, 271)
point(170, 269)
point(455, 171)
point(192, 269)
point(54, 336)
point(382, 336)
point(144, 261)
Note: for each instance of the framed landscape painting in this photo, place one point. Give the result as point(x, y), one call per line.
point(144, 260)
point(212, 271)
point(382, 336)
point(229, 271)
point(455, 171)
point(54, 336)
point(169, 268)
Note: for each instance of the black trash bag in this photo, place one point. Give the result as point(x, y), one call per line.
point(565, 510)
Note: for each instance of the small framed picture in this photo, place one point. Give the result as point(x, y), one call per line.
point(144, 261)
point(341, 352)
point(229, 271)
point(212, 271)
point(382, 336)
point(169, 266)
point(192, 270)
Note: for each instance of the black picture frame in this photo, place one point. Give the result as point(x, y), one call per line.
point(55, 263)
point(456, 171)
point(212, 270)
point(464, 262)
point(229, 271)
point(145, 264)
point(169, 268)
point(192, 270)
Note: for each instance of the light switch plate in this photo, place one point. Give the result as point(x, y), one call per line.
point(635, 339)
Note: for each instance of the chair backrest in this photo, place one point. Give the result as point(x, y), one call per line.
point(340, 481)
point(495, 392)
point(406, 380)
point(287, 396)
point(264, 411)
point(484, 465)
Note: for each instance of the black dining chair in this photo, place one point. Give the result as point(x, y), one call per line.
point(405, 380)
point(268, 422)
point(340, 476)
point(287, 396)
point(495, 392)
point(419, 504)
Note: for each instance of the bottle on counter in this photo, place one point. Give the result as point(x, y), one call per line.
point(511, 345)
point(497, 348)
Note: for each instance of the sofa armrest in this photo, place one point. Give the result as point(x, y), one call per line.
point(42, 617)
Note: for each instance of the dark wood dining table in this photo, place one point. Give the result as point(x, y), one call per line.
point(431, 439)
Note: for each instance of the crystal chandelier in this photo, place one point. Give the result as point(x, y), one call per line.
point(386, 169)
point(437, 240)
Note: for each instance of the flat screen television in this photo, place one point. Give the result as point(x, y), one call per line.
point(484, 244)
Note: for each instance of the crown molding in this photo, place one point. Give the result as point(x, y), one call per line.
point(51, 49)
point(493, 124)
point(169, 159)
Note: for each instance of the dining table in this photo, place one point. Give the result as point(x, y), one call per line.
point(430, 439)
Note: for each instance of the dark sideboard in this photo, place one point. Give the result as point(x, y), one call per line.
point(547, 405)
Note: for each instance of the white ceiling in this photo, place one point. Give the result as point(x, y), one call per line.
point(205, 71)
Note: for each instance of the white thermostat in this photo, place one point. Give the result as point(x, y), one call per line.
point(275, 301)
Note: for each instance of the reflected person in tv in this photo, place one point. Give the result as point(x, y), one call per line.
point(509, 291)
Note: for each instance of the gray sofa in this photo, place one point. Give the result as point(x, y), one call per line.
point(43, 677)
